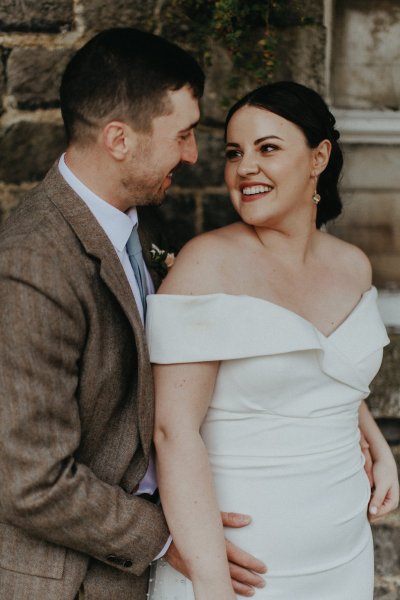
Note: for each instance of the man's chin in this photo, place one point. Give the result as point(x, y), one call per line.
point(155, 200)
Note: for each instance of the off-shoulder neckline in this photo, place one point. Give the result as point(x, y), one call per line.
point(341, 324)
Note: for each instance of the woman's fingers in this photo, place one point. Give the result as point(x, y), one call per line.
point(245, 570)
point(243, 559)
point(245, 577)
point(368, 465)
point(244, 581)
point(232, 519)
point(383, 501)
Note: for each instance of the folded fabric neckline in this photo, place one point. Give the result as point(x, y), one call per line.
point(283, 308)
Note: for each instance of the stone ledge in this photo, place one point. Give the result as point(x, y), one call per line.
point(36, 15)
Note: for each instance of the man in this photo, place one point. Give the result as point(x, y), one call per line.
point(78, 514)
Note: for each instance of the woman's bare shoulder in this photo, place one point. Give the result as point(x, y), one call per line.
point(199, 266)
point(350, 259)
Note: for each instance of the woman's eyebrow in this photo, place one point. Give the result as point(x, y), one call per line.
point(267, 137)
point(257, 141)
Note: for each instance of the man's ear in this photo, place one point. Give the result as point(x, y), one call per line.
point(320, 158)
point(117, 139)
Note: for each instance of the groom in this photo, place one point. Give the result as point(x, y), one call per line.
point(78, 509)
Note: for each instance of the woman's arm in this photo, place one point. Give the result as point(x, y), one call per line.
point(385, 496)
point(183, 393)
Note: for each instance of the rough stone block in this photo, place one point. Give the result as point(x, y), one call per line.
point(2, 78)
point(98, 15)
point(218, 211)
point(296, 52)
point(385, 389)
point(387, 550)
point(36, 15)
point(287, 12)
point(225, 85)
point(382, 173)
point(34, 76)
point(387, 590)
point(369, 220)
point(386, 268)
point(217, 94)
point(209, 169)
point(365, 71)
point(27, 150)
point(179, 212)
point(372, 238)
point(364, 207)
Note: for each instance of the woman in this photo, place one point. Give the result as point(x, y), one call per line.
point(266, 336)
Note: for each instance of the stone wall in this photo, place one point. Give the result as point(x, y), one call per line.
point(384, 403)
point(365, 68)
point(37, 37)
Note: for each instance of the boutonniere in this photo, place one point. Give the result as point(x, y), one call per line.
point(161, 259)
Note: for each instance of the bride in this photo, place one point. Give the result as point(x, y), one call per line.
point(265, 337)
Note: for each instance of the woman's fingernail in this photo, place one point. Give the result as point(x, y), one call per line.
point(244, 518)
point(373, 510)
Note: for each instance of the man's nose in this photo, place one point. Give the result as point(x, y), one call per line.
point(190, 152)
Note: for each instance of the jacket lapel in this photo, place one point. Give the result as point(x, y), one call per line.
point(96, 244)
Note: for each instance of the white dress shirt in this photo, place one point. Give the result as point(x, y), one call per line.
point(118, 226)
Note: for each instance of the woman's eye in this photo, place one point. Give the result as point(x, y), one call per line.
point(267, 148)
point(232, 154)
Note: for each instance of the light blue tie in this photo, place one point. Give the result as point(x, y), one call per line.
point(134, 250)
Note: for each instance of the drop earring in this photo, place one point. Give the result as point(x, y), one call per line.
point(316, 198)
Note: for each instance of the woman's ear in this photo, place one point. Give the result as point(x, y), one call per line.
point(117, 138)
point(320, 157)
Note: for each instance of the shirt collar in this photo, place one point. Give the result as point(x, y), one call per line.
point(116, 224)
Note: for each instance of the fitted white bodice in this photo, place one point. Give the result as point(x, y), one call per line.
point(282, 427)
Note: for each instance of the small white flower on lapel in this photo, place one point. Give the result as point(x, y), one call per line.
point(162, 258)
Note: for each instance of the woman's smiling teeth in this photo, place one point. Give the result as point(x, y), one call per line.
point(256, 189)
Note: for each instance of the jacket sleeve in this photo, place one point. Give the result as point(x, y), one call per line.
point(45, 491)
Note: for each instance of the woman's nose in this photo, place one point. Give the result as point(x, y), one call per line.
point(247, 166)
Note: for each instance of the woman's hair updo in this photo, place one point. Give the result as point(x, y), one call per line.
point(306, 109)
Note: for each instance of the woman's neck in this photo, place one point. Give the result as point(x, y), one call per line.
point(295, 244)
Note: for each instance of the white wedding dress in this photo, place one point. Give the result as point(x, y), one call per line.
point(282, 436)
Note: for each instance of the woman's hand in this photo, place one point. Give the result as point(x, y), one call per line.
point(368, 459)
point(382, 475)
point(385, 494)
point(245, 569)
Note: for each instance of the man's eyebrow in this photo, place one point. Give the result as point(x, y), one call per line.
point(257, 141)
point(192, 126)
